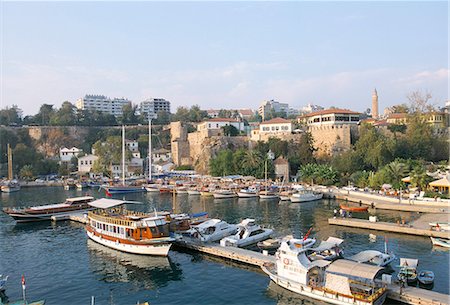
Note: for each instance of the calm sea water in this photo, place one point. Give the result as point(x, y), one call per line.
point(62, 266)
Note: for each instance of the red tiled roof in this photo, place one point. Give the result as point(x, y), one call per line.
point(245, 111)
point(276, 121)
point(330, 111)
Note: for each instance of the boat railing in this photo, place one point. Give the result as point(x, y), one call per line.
point(112, 220)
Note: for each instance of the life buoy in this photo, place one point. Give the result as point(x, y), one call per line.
point(286, 261)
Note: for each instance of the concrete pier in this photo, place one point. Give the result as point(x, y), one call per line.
point(387, 226)
point(417, 296)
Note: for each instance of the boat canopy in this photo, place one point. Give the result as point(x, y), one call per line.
point(354, 269)
point(74, 199)
point(409, 262)
point(365, 256)
point(329, 244)
point(105, 203)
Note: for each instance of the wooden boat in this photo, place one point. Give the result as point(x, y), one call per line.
point(440, 242)
point(128, 231)
point(268, 195)
point(45, 212)
point(350, 208)
point(425, 277)
point(223, 194)
point(248, 193)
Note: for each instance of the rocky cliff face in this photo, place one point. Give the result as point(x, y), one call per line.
point(202, 151)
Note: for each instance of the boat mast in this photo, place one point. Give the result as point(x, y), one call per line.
point(149, 148)
point(10, 173)
point(123, 154)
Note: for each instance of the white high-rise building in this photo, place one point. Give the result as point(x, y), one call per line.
point(102, 103)
point(267, 106)
point(155, 105)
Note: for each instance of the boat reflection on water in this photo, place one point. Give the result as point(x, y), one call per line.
point(286, 297)
point(148, 272)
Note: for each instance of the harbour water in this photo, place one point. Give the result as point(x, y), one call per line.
point(63, 267)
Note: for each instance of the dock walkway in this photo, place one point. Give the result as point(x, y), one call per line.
point(417, 296)
point(387, 226)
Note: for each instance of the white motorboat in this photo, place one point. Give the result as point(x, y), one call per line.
point(326, 250)
point(10, 186)
point(445, 226)
point(286, 195)
point(373, 257)
point(305, 195)
point(340, 282)
point(222, 194)
point(212, 230)
point(248, 193)
point(248, 233)
point(152, 188)
point(442, 242)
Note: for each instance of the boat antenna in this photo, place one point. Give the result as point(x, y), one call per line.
point(385, 245)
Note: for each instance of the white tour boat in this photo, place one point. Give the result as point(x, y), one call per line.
point(248, 233)
point(248, 193)
point(305, 195)
point(222, 194)
point(340, 282)
point(128, 231)
point(212, 230)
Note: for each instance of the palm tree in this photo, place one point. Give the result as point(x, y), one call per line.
point(419, 178)
point(252, 160)
point(395, 171)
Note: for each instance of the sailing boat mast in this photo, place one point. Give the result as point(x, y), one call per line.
point(123, 154)
point(149, 148)
point(10, 172)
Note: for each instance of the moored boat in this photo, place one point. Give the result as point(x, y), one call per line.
point(152, 188)
point(351, 208)
point(426, 277)
point(212, 230)
point(408, 270)
point(268, 195)
point(248, 193)
point(305, 196)
point(339, 282)
point(222, 194)
point(128, 231)
point(193, 192)
point(248, 233)
point(10, 186)
point(374, 257)
point(45, 212)
point(440, 242)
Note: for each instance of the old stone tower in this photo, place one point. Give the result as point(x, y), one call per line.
point(375, 104)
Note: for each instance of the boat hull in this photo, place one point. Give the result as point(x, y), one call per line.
point(124, 190)
point(159, 249)
point(24, 217)
point(306, 198)
point(10, 189)
point(193, 193)
point(231, 241)
point(354, 209)
point(224, 196)
point(247, 195)
point(320, 294)
point(440, 242)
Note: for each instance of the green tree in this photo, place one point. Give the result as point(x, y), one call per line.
point(65, 116)
point(26, 173)
point(109, 152)
point(45, 114)
point(129, 114)
point(11, 116)
point(230, 130)
point(395, 172)
point(220, 165)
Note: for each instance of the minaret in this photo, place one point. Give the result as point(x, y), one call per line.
point(375, 104)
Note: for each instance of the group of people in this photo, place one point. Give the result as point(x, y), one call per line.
point(342, 213)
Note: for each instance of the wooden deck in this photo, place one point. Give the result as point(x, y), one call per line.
point(386, 226)
point(417, 296)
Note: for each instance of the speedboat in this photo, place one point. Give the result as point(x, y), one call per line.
point(212, 230)
point(222, 194)
point(45, 212)
point(425, 277)
point(408, 270)
point(442, 242)
point(340, 282)
point(305, 195)
point(248, 233)
point(248, 193)
point(373, 257)
point(326, 250)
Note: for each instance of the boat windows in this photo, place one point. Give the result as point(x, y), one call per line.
point(256, 232)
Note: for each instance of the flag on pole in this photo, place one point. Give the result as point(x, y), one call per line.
point(307, 234)
point(108, 193)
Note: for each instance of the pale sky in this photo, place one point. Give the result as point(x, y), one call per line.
point(224, 54)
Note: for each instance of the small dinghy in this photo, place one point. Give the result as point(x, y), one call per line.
point(425, 277)
point(440, 242)
point(3, 280)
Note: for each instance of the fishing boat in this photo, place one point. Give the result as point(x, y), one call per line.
point(442, 242)
point(223, 194)
point(248, 233)
point(11, 185)
point(350, 208)
point(305, 196)
point(339, 282)
point(426, 277)
point(248, 193)
point(69, 183)
point(408, 270)
point(45, 212)
point(128, 231)
point(212, 230)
